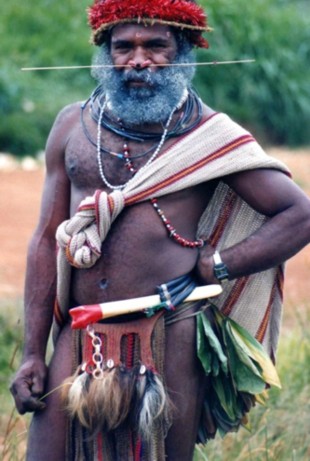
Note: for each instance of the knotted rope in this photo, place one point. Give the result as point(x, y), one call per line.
point(81, 236)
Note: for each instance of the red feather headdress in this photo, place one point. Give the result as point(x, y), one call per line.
point(184, 14)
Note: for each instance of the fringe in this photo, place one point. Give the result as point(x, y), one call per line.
point(123, 412)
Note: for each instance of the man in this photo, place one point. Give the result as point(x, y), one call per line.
point(143, 113)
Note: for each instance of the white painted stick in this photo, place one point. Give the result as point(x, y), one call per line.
point(129, 306)
point(85, 315)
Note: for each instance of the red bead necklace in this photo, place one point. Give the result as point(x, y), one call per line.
point(128, 161)
point(172, 230)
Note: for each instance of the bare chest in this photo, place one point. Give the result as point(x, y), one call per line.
point(110, 163)
point(139, 230)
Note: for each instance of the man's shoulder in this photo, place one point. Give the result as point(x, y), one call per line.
point(66, 120)
point(71, 112)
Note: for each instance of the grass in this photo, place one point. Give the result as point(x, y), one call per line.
point(280, 431)
point(13, 428)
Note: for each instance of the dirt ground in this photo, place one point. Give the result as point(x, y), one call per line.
point(20, 193)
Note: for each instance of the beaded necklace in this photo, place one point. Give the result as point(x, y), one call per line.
point(182, 127)
point(172, 233)
point(104, 150)
point(126, 153)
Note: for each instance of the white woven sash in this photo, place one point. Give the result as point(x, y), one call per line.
point(217, 148)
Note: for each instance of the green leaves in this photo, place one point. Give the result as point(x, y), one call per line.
point(209, 347)
point(245, 374)
point(238, 367)
point(248, 346)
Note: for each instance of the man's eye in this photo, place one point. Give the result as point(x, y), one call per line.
point(122, 47)
point(158, 46)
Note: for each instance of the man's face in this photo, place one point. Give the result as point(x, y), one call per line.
point(142, 47)
point(140, 89)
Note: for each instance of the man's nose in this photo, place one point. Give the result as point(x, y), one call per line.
point(139, 60)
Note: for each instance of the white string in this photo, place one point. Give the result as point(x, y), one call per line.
point(107, 66)
point(155, 154)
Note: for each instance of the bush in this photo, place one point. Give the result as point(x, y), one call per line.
point(271, 96)
point(48, 34)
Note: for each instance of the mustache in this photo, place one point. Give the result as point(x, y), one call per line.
point(144, 76)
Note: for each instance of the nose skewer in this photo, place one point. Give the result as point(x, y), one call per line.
point(137, 65)
point(107, 66)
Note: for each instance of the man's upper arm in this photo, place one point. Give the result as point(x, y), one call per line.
point(55, 205)
point(267, 191)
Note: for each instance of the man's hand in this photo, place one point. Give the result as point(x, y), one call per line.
point(205, 265)
point(28, 386)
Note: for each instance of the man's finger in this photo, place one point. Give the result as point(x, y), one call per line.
point(25, 401)
point(30, 405)
point(37, 387)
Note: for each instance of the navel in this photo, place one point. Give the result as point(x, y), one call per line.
point(103, 284)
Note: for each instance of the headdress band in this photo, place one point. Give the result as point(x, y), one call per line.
point(183, 14)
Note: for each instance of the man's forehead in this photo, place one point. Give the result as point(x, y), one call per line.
point(131, 31)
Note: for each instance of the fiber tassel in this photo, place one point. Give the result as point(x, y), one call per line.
point(102, 398)
point(76, 397)
point(109, 399)
point(68, 383)
point(154, 405)
point(100, 404)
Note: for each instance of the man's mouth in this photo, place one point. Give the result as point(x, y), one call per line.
point(138, 80)
point(138, 84)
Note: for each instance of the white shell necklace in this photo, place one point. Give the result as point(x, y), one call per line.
point(155, 154)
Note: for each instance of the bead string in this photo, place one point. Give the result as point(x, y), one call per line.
point(182, 126)
point(128, 159)
point(128, 163)
point(99, 160)
point(155, 154)
point(172, 230)
point(103, 149)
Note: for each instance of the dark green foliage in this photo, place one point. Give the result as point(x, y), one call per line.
point(271, 96)
point(41, 33)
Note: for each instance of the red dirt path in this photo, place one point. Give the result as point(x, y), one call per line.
point(20, 193)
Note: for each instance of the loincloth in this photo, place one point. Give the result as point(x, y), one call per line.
point(116, 400)
point(132, 357)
